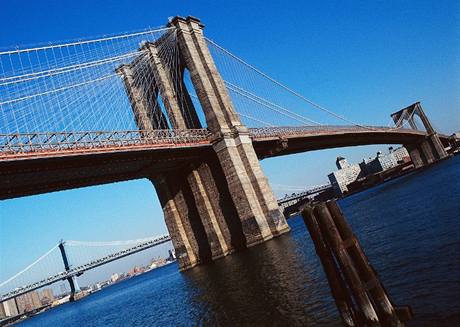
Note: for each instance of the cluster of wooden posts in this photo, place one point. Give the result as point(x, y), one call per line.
point(358, 293)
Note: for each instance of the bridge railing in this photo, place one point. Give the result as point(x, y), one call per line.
point(301, 130)
point(305, 193)
point(11, 144)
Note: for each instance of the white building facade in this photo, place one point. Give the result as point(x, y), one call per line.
point(346, 174)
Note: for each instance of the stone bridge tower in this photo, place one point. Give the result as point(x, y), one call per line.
point(221, 203)
point(431, 149)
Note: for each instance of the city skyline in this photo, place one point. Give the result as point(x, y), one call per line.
point(113, 205)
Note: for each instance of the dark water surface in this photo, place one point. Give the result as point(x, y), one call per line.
point(409, 228)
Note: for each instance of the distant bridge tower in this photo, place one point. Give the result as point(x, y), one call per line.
point(220, 203)
point(431, 149)
point(74, 288)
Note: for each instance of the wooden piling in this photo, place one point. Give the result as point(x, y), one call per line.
point(335, 241)
point(337, 285)
point(385, 309)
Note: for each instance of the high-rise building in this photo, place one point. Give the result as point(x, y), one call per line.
point(10, 308)
point(24, 304)
point(386, 161)
point(46, 296)
point(36, 303)
point(28, 302)
point(341, 163)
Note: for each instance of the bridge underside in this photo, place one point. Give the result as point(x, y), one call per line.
point(25, 176)
point(273, 146)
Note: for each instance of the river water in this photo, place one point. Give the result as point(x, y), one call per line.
point(408, 227)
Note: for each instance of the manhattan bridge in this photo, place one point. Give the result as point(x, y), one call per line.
point(170, 105)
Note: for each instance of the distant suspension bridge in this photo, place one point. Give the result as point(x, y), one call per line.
point(69, 259)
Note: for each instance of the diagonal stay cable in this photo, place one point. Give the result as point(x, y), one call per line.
point(267, 103)
point(29, 266)
point(314, 104)
point(86, 42)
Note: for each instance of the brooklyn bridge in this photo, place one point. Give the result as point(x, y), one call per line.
point(173, 106)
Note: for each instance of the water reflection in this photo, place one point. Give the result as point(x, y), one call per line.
point(271, 284)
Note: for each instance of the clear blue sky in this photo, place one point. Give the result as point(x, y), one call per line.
point(363, 59)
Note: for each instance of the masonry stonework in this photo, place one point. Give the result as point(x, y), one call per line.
point(429, 150)
point(254, 201)
point(223, 202)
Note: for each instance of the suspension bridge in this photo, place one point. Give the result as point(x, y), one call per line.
point(69, 259)
point(173, 106)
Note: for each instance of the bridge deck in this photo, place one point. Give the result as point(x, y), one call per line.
point(46, 162)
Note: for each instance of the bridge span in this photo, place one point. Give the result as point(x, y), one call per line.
point(35, 164)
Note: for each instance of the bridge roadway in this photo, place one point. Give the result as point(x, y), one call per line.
point(78, 270)
point(301, 195)
point(47, 162)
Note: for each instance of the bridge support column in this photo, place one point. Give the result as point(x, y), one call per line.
point(255, 226)
point(178, 223)
point(426, 149)
point(415, 156)
point(74, 288)
point(437, 147)
point(254, 201)
point(194, 179)
point(143, 98)
point(204, 192)
point(199, 213)
point(429, 150)
point(261, 186)
point(163, 76)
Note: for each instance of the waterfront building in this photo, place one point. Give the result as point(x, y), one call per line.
point(28, 302)
point(172, 255)
point(380, 163)
point(346, 174)
point(2, 311)
point(96, 287)
point(63, 289)
point(400, 154)
point(114, 277)
point(46, 296)
point(386, 161)
point(9, 307)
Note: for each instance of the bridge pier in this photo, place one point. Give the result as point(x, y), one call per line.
point(178, 222)
point(223, 202)
point(234, 200)
point(254, 201)
point(429, 150)
point(415, 155)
